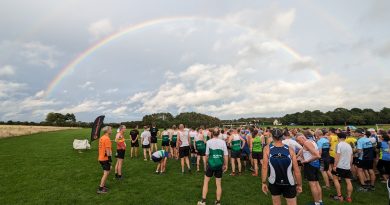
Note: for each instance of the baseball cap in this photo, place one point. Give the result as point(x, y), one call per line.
point(360, 131)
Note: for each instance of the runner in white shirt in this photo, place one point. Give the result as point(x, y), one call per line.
point(342, 168)
point(184, 147)
point(145, 139)
point(193, 133)
point(290, 142)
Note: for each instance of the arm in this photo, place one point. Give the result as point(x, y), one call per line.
point(336, 160)
point(297, 172)
point(264, 169)
point(243, 142)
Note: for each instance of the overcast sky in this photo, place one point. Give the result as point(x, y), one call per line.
point(229, 60)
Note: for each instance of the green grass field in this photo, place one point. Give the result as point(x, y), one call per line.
point(44, 169)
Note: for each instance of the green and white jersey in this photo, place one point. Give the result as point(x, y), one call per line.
point(236, 143)
point(174, 136)
point(216, 150)
point(199, 143)
point(165, 136)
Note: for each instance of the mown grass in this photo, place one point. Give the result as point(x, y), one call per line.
point(44, 169)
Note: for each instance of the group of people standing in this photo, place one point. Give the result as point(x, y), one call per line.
point(280, 154)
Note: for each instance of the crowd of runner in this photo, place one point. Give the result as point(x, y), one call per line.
point(278, 156)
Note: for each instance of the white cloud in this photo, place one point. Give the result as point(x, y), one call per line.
point(85, 106)
point(100, 28)
point(8, 89)
point(304, 63)
point(272, 21)
point(119, 110)
point(113, 90)
point(7, 70)
point(40, 94)
point(38, 53)
point(87, 85)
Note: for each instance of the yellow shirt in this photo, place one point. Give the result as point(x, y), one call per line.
point(333, 140)
point(351, 141)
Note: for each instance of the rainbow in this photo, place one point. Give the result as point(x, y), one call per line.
point(67, 69)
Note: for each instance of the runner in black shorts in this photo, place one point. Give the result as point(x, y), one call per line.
point(134, 135)
point(153, 138)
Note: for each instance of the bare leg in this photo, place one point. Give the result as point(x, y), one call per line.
point(182, 164)
point(136, 151)
point(349, 187)
point(337, 185)
point(145, 154)
point(197, 162)
point(256, 167)
point(218, 183)
point(314, 191)
point(276, 200)
point(326, 178)
point(205, 187)
point(120, 167)
point(292, 201)
point(239, 164)
point(104, 178)
point(372, 177)
point(187, 162)
point(233, 165)
point(150, 154)
point(204, 163)
point(361, 176)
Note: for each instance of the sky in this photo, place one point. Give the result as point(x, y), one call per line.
point(228, 59)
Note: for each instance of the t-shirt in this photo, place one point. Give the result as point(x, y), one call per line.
point(293, 144)
point(104, 143)
point(133, 134)
point(324, 146)
point(145, 137)
point(384, 151)
point(216, 150)
point(333, 140)
point(345, 151)
point(184, 138)
point(154, 131)
point(365, 145)
point(160, 154)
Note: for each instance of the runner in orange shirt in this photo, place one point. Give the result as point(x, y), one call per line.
point(104, 158)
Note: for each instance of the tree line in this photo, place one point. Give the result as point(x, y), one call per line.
point(339, 116)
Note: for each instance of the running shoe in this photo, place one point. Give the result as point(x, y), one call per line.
point(338, 198)
point(102, 190)
point(362, 189)
point(348, 199)
point(232, 174)
point(217, 203)
point(201, 203)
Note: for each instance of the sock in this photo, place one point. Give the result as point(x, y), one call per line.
point(321, 200)
point(317, 203)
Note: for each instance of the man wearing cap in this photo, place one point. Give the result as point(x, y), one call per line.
point(365, 160)
point(342, 168)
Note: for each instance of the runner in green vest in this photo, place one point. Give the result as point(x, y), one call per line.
point(236, 146)
point(200, 149)
point(165, 140)
point(173, 139)
point(256, 147)
point(217, 158)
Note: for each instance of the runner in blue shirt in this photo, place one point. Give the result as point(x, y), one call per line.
point(365, 161)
